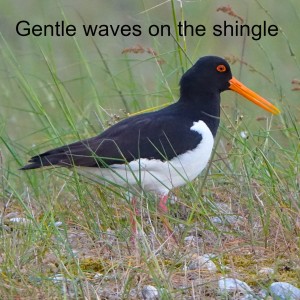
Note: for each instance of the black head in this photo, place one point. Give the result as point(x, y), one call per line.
point(209, 75)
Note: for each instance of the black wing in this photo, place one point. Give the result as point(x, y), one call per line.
point(153, 136)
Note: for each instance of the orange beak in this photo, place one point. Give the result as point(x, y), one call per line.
point(241, 89)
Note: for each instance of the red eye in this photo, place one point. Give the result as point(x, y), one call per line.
point(221, 68)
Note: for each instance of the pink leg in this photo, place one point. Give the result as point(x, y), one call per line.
point(162, 205)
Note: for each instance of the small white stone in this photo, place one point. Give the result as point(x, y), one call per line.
point(216, 220)
point(58, 223)
point(244, 134)
point(189, 239)
point(284, 291)
point(75, 252)
point(58, 278)
point(203, 262)
point(266, 271)
point(233, 285)
point(20, 220)
point(150, 292)
point(181, 226)
point(98, 276)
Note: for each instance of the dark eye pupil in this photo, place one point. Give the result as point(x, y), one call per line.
point(221, 68)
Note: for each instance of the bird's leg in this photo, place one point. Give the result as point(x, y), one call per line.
point(133, 223)
point(162, 204)
point(162, 207)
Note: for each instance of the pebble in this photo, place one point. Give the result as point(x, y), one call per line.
point(232, 285)
point(266, 271)
point(224, 215)
point(98, 276)
point(189, 239)
point(192, 240)
point(203, 262)
point(58, 278)
point(20, 220)
point(284, 291)
point(244, 134)
point(225, 220)
point(150, 292)
point(58, 223)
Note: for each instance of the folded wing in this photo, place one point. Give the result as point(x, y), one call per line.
point(143, 136)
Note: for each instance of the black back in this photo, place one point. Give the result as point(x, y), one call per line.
point(161, 135)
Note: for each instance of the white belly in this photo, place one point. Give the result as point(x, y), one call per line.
point(155, 175)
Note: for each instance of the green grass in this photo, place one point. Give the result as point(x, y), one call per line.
point(55, 91)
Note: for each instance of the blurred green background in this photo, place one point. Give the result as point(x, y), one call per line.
point(55, 88)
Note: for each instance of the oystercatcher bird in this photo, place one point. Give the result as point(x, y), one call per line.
point(160, 150)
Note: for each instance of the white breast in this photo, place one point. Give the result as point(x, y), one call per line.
point(154, 175)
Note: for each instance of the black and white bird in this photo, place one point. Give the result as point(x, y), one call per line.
point(160, 150)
